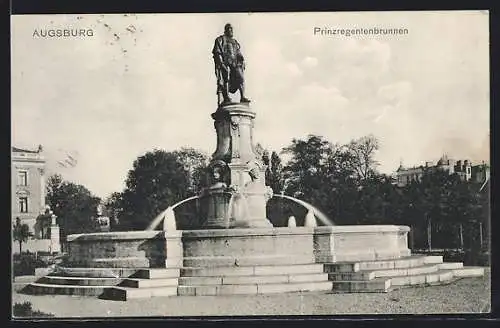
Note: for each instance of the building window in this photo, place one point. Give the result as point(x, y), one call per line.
point(23, 204)
point(22, 178)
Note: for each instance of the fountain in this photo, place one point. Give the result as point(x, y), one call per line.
point(234, 248)
point(167, 216)
point(232, 227)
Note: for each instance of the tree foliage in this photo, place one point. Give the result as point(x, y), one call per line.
point(73, 204)
point(157, 180)
point(343, 182)
point(21, 233)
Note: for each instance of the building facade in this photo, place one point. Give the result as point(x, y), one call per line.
point(464, 169)
point(28, 186)
point(28, 198)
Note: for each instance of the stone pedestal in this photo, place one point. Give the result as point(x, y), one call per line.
point(55, 243)
point(237, 195)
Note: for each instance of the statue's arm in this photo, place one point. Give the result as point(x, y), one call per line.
point(217, 52)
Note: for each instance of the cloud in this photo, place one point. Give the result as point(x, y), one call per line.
point(395, 93)
point(111, 106)
point(310, 62)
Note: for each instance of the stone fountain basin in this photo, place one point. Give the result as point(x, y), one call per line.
point(238, 247)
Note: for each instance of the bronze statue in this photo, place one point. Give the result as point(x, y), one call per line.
point(229, 67)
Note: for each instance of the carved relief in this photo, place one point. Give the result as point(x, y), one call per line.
point(235, 137)
point(218, 173)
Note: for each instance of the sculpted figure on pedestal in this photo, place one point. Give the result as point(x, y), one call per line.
point(229, 67)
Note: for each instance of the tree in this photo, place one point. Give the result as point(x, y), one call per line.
point(73, 204)
point(363, 151)
point(114, 209)
point(157, 180)
point(275, 178)
point(195, 163)
point(315, 173)
point(21, 233)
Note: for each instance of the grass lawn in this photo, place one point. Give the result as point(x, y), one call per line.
point(470, 295)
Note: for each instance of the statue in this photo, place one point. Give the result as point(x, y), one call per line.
point(229, 67)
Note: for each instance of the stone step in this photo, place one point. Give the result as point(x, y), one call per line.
point(157, 273)
point(148, 283)
point(389, 283)
point(369, 275)
point(433, 259)
point(25, 279)
point(94, 272)
point(127, 293)
point(50, 289)
point(404, 262)
point(421, 279)
point(253, 279)
point(227, 261)
point(450, 265)
point(377, 285)
point(251, 270)
point(254, 289)
point(294, 287)
point(79, 281)
point(468, 272)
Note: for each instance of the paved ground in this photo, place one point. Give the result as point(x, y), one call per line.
point(471, 295)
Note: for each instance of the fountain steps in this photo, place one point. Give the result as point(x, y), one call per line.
point(372, 274)
point(220, 261)
point(253, 279)
point(95, 281)
point(254, 284)
point(82, 272)
point(51, 289)
point(365, 276)
point(387, 284)
point(254, 289)
point(401, 263)
point(234, 280)
point(79, 281)
point(127, 293)
point(385, 276)
point(255, 270)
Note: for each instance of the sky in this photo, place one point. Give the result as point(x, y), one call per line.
point(141, 82)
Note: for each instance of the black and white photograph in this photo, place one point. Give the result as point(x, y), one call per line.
point(250, 164)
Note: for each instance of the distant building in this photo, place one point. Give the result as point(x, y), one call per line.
point(28, 185)
point(28, 195)
point(465, 170)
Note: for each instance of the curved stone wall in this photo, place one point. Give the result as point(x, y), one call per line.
point(238, 247)
point(117, 249)
point(360, 243)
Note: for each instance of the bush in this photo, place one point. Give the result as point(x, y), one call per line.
point(26, 263)
point(23, 310)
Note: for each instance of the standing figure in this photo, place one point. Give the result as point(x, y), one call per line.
point(229, 67)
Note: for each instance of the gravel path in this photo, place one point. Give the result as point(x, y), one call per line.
point(464, 296)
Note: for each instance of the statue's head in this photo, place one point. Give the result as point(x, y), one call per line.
point(217, 174)
point(228, 30)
